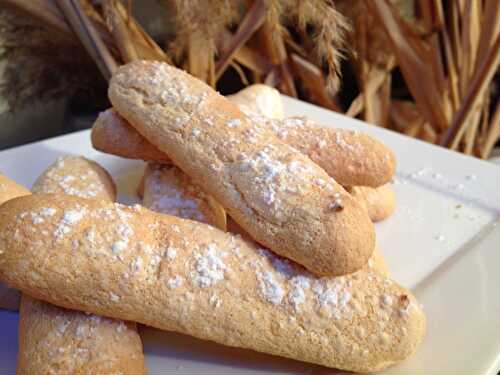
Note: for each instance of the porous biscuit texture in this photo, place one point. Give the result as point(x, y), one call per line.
point(279, 196)
point(55, 340)
point(351, 158)
point(9, 189)
point(113, 135)
point(180, 275)
point(380, 202)
point(170, 191)
point(260, 100)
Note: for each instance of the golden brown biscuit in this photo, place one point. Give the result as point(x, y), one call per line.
point(379, 202)
point(113, 135)
point(180, 275)
point(78, 176)
point(169, 191)
point(260, 100)
point(10, 189)
point(351, 158)
point(54, 340)
point(57, 340)
point(9, 298)
point(375, 263)
point(279, 196)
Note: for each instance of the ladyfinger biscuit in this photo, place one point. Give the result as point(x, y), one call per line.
point(113, 135)
point(376, 262)
point(260, 100)
point(54, 340)
point(379, 202)
point(170, 191)
point(78, 176)
point(180, 275)
point(279, 196)
point(9, 298)
point(57, 340)
point(351, 158)
point(10, 189)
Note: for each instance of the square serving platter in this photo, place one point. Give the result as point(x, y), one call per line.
point(443, 242)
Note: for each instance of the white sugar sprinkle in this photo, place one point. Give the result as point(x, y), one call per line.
point(114, 297)
point(195, 132)
point(68, 179)
point(209, 267)
point(215, 301)
point(171, 253)
point(174, 282)
point(386, 299)
point(119, 246)
point(69, 218)
point(297, 294)
point(320, 182)
point(48, 211)
point(37, 219)
point(321, 143)
point(233, 123)
point(62, 327)
point(125, 230)
point(269, 288)
point(72, 217)
point(332, 297)
point(80, 331)
point(121, 327)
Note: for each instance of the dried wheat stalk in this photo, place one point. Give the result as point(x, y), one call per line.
point(423, 68)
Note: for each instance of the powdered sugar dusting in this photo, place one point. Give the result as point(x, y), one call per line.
point(174, 282)
point(270, 288)
point(331, 298)
point(169, 191)
point(209, 267)
point(386, 300)
point(233, 123)
point(118, 246)
point(299, 286)
point(86, 184)
point(48, 212)
point(171, 253)
point(69, 219)
point(277, 175)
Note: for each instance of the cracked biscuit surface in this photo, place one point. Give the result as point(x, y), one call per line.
point(55, 340)
point(180, 275)
point(278, 195)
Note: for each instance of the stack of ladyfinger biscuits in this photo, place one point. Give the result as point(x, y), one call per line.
point(255, 232)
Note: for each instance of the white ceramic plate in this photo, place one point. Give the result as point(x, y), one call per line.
point(443, 242)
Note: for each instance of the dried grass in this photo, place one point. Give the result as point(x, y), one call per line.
point(425, 68)
point(41, 63)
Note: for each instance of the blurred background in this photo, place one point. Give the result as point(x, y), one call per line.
point(424, 68)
